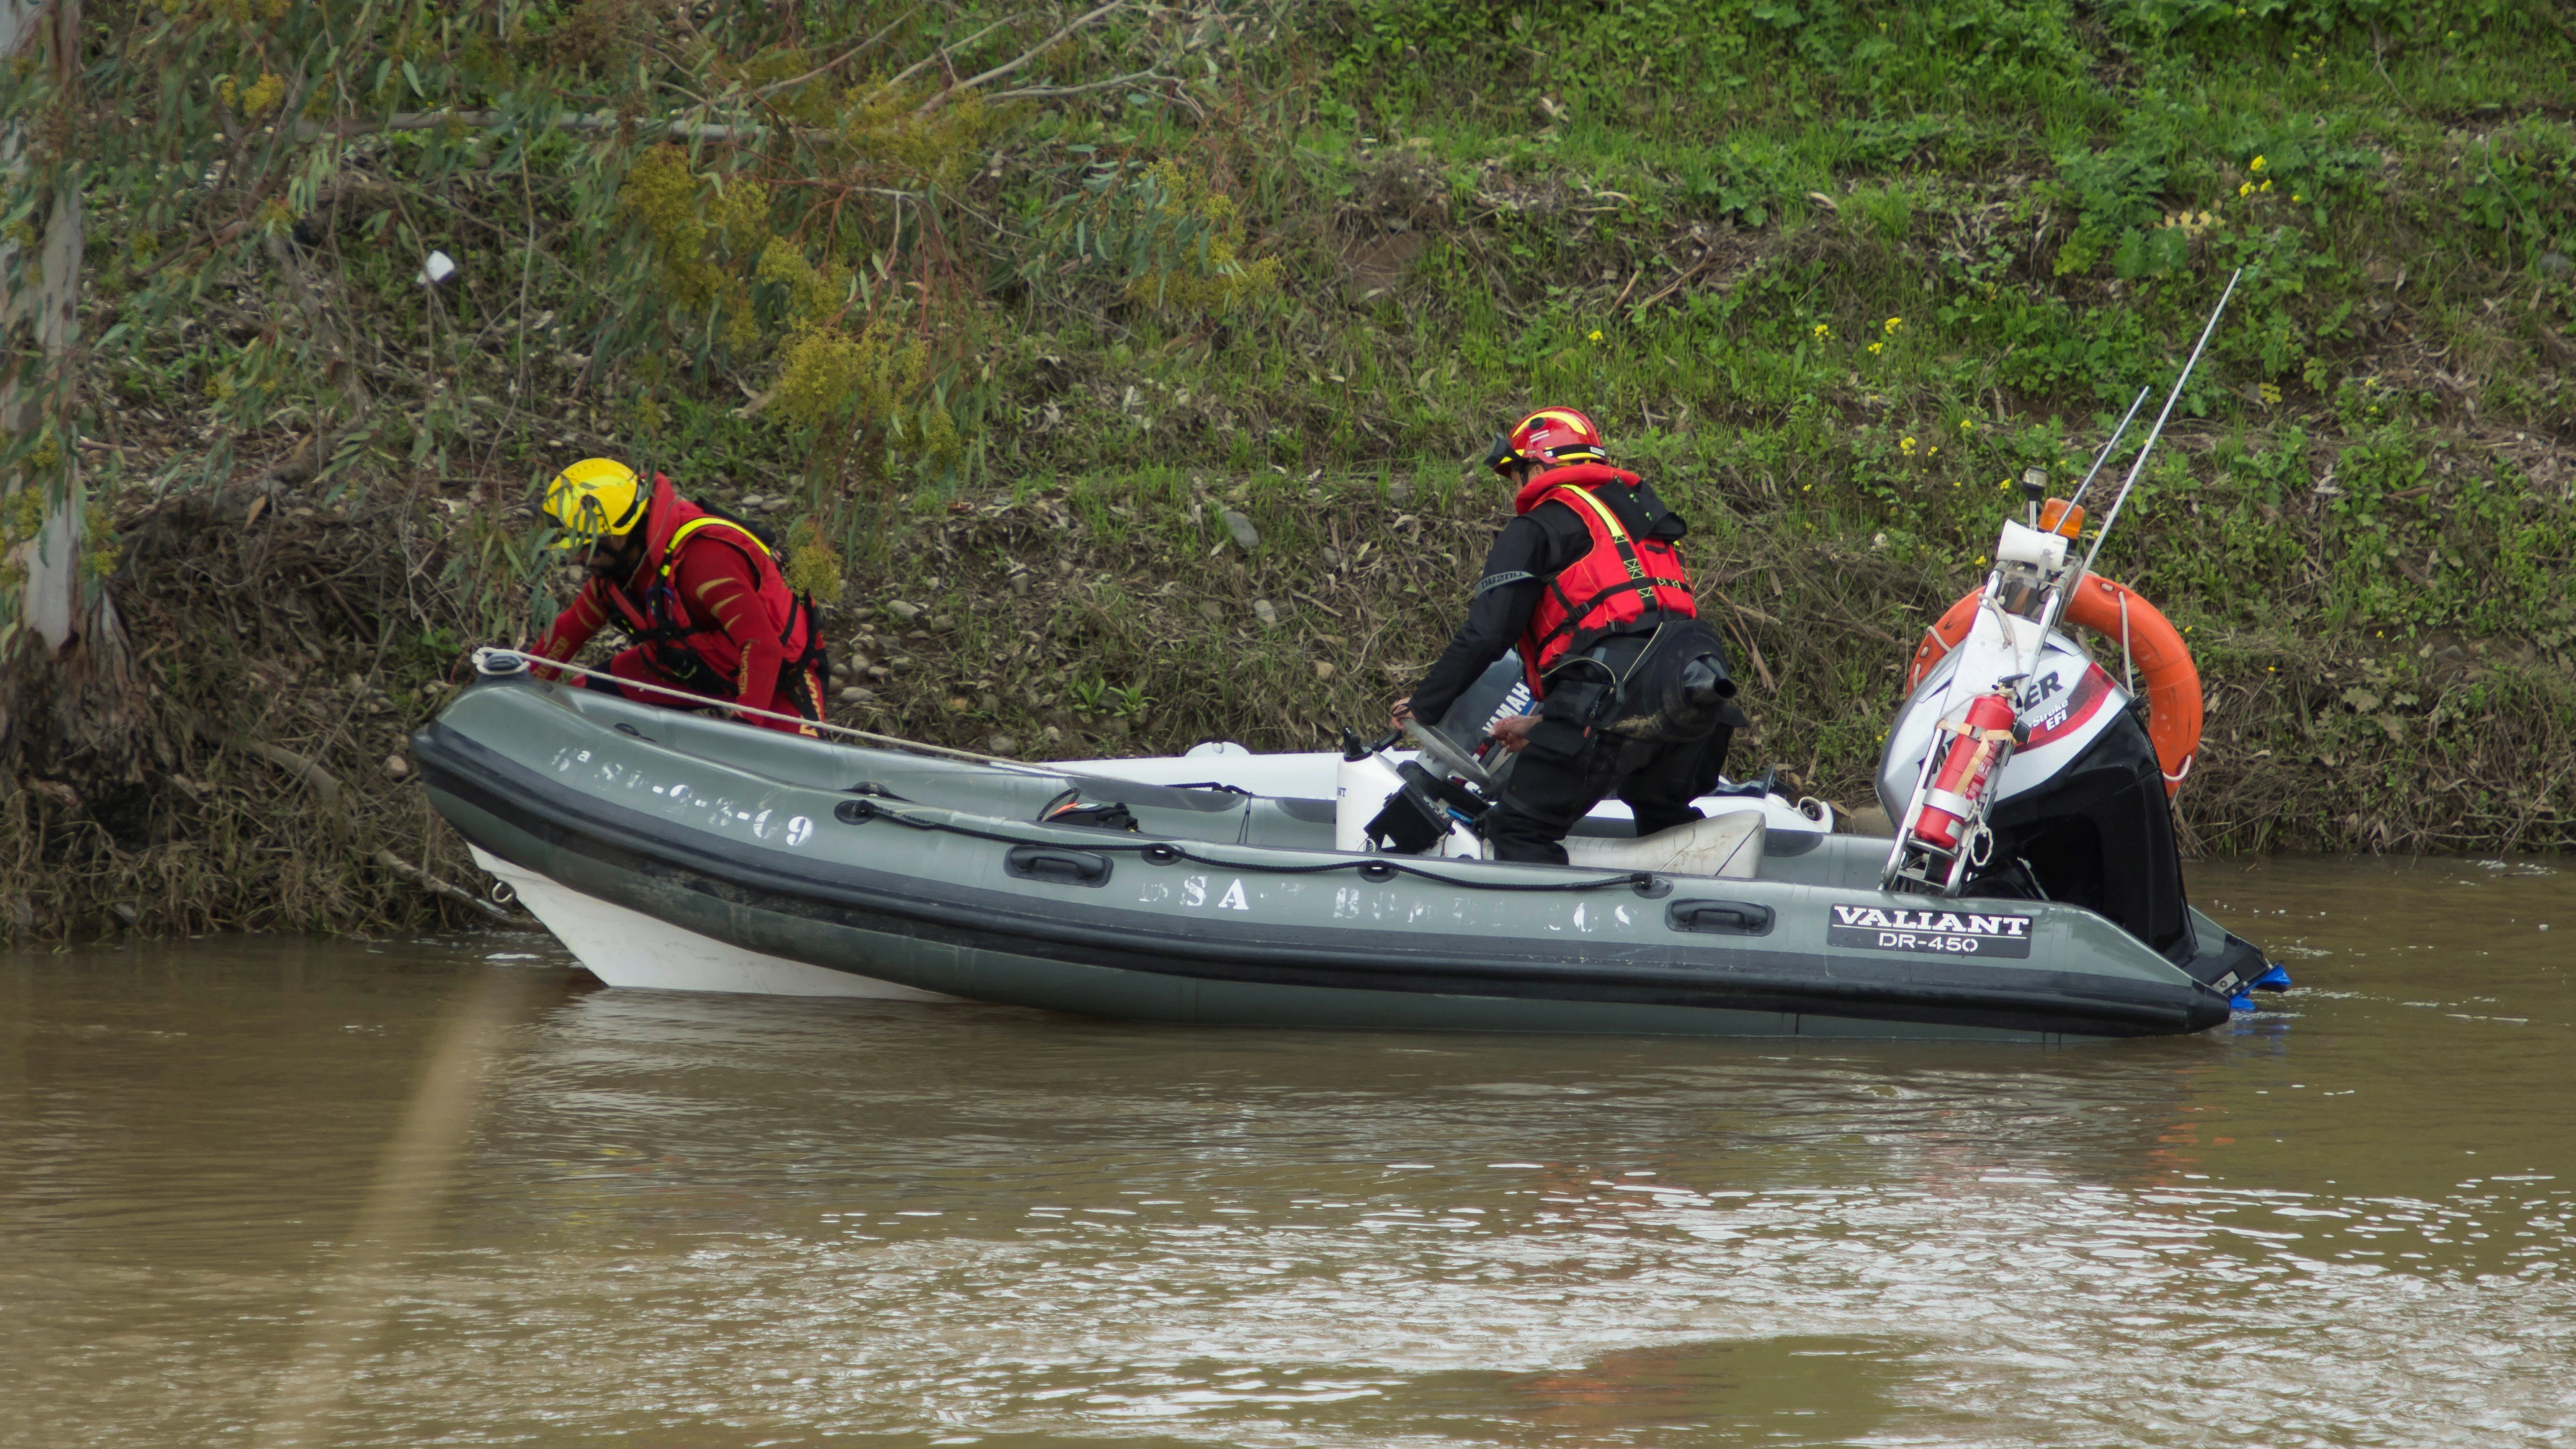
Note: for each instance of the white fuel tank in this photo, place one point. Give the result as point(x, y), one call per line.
point(1361, 788)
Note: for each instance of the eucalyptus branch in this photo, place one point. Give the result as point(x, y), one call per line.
point(1083, 22)
point(835, 62)
point(937, 57)
point(1032, 93)
point(581, 121)
point(681, 130)
point(224, 236)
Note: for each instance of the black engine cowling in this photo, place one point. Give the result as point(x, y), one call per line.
point(2098, 834)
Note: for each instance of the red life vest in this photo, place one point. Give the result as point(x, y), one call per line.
point(1616, 583)
point(663, 622)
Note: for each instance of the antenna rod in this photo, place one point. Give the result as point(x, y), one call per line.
point(2108, 444)
point(2158, 430)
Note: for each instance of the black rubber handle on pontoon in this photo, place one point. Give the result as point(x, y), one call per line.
point(1723, 918)
point(1053, 863)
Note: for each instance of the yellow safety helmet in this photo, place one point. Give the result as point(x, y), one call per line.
point(593, 499)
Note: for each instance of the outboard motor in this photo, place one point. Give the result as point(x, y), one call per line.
point(2077, 812)
point(1499, 693)
point(2019, 768)
point(2016, 767)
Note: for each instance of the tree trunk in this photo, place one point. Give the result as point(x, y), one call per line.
point(46, 313)
point(40, 310)
point(64, 675)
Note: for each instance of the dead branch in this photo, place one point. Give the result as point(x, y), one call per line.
point(581, 121)
point(435, 886)
point(1031, 93)
point(936, 57)
point(324, 785)
point(774, 87)
point(1079, 23)
point(305, 131)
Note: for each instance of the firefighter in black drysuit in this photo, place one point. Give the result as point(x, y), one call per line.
point(1586, 582)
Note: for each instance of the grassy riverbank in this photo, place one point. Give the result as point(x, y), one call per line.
point(1831, 273)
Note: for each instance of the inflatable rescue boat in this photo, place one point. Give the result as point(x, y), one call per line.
point(672, 850)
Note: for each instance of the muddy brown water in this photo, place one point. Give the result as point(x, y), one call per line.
point(232, 1210)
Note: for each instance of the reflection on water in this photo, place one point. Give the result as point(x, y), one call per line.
point(729, 1221)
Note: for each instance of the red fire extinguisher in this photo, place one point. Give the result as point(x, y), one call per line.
point(1976, 745)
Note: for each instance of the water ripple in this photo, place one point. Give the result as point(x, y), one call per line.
point(707, 1221)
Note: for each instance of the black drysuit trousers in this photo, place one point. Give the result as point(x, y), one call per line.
point(1544, 795)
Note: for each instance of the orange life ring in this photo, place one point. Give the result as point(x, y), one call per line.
point(2119, 614)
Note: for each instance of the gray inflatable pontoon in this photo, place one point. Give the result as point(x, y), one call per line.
point(673, 850)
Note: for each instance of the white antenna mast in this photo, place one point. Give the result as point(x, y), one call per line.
point(2140, 465)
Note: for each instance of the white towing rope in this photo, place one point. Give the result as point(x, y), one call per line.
point(495, 662)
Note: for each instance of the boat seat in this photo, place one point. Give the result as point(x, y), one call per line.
point(1727, 847)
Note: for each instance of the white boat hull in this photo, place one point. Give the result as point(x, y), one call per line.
point(625, 948)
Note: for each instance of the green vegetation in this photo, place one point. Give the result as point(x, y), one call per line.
point(1008, 307)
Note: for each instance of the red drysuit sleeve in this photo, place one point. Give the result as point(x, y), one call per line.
point(574, 626)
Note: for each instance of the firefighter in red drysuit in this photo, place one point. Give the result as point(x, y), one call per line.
point(699, 594)
point(1581, 582)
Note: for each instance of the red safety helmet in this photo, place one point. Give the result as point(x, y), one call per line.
point(1549, 437)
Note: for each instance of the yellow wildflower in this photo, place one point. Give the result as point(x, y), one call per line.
point(2256, 165)
point(1894, 324)
point(1906, 447)
point(1876, 348)
point(263, 95)
point(2266, 186)
point(1594, 337)
point(2245, 189)
point(1823, 333)
point(1967, 425)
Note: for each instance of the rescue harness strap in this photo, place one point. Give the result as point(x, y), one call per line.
point(639, 625)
